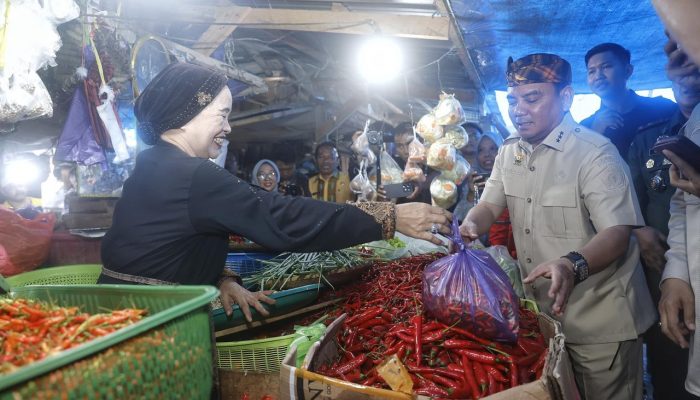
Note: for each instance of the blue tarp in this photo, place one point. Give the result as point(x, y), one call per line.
point(496, 29)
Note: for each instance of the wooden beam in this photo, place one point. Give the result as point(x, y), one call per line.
point(349, 108)
point(212, 38)
point(185, 54)
point(359, 23)
point(238, 121)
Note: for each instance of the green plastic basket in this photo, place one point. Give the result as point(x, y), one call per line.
point(264, 355)
point(168, 354)
point(68, 275)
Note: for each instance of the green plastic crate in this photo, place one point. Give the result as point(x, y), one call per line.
point(263, 355)
point(86, 274)
point(168, 354)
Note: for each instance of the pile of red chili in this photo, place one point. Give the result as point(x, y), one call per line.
point(31, 331)
point(386, 318)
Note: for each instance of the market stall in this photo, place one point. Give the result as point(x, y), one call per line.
point(418, 314)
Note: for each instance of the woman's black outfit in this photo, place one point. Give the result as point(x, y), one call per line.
point(176, 212)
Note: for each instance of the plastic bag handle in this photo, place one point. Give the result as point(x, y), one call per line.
point(456, 236)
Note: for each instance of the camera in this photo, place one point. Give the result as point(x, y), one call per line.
point(375, 138)
point(292, 190)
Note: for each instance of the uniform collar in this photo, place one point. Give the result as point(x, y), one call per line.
point(561, 133)
point(557, 137)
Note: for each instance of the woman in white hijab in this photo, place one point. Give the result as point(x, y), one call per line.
point(266, 175)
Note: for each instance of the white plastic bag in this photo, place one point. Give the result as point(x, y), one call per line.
point(413, 172)
point(416, 151)
point(460, 172)
point(509, 266)
point(60, 11)
point(361, 147)
point(429, 129)
point(442, 155)
point(443, 192)
point(24, 97)
point(391, 172)
point(449, 111)
point(457, 135)
point(109, 118)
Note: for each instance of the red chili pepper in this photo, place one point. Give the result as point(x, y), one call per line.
point(432, 391)
point(469, 377)
point(436, 371)
point(495, 373)
point(481, 378)
point(527, 360)
point(492, 385)
point(462, 344)
point(482, 357)
point(351, 364)
point(538, 366)
point(418, 323)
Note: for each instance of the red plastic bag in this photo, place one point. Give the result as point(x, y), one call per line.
point(469, 289)
point(24, 243)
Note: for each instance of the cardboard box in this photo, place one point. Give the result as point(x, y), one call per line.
point(557, 382)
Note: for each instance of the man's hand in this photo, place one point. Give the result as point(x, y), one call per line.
point(468, 230)
point(561, 272)
point(676, 298)
point(607, 119)
point(652, 246)
point(690, 181)
point(233, 293)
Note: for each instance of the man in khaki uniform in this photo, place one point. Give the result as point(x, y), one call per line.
point(572, 207)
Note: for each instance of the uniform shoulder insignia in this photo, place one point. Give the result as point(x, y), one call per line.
point(590, 136)
point(653, 124)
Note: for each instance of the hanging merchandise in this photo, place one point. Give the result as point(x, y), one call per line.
point(391, 172)
point(416, 151)
point(361, 147)
point(24, 97)
point(413, 172)
point(457, 135)
point(442, 155)
point(77, 141)
point(449, 111)
point(60, 11)
point(361, 184)
point(28, 42)
point(443, 192)
point(110, 120)
point(460, 171)
point(429, 129)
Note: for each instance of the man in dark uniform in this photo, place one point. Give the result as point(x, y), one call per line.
point(622, 111)
point(667, 361)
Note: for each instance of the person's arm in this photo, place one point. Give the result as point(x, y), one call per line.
point(491, 204)
point(221, 203)
point(651, 242)
point(676, 294)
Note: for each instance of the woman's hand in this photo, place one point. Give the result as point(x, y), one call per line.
point(233, 293)
point(417, 220)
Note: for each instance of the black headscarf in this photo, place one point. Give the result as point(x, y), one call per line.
point(176, 95)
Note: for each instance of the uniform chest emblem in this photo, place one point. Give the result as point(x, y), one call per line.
point(519, 157)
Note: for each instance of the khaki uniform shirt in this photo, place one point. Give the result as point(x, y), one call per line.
point(683, 257)
point(560, 195)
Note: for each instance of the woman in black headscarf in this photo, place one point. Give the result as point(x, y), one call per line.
point(177, 209)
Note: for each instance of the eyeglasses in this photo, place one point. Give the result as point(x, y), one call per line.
point(271, 175)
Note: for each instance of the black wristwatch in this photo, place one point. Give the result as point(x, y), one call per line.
point(580, 266)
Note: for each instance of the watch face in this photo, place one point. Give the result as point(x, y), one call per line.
point(149, 59)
